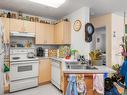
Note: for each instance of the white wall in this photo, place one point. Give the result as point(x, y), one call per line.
point(105, 21)
point(118, 28)
point(78, 38)
point(113, 23)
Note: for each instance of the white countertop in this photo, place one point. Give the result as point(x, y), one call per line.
point(99, 70)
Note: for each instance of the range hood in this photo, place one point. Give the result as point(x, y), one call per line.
point(22, 34)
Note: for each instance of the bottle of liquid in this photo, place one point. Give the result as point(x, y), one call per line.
point(9, 15)
point(72, 54)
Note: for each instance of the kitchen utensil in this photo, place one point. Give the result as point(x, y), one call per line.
point(36, 19)
point(30, 55)
point(9, 15)
point(13, 15)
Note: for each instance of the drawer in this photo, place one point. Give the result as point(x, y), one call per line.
point(23, 84)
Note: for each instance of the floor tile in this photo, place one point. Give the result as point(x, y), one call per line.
point(48, 89)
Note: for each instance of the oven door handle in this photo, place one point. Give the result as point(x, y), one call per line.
point(19, 63)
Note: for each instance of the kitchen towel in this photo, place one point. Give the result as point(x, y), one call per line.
point(81, 85)
point(98, 83)
point(72, 88)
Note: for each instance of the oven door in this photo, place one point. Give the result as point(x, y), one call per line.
point(23, 70)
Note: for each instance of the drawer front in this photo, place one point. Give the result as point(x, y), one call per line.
point(23, 84)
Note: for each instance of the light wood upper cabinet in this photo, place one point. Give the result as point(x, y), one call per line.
point(49, 34)
point(44, 71)
point(58, 33)
point(40, 33)
point(16, 25)
point(21, 26)
point(67, 32)
point(44, 33)
point(63, 33)
point(29, 26)
point(53, 34)
point(6, 29)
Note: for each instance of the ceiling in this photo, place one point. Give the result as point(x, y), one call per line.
point(97, 7)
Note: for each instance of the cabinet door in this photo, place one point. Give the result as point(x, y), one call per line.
point(63, 33)
point(40, 33)
point(6, 29)
point(44, 71)
point(16, 25)
point(67, 32)
point(50, 34)
point(59, 33)
point(29, 26)
point(56, 34)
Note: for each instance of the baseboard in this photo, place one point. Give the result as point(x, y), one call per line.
point(44, 83)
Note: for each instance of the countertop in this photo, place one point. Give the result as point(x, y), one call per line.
point(99, 70)
point(54, 58)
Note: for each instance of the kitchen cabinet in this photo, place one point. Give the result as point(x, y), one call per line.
point(16, 25)
point(6, 89)
point(49, 34)
point(40, 33)
point(88, 81)
point(6, 29)
point(44, 33)
point(63, 33)
point(61, 79)
point(29, 26)
point(44, 71)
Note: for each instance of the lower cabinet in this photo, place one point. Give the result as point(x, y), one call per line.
point(88, 82)
point(44, 71)
point(61, 79)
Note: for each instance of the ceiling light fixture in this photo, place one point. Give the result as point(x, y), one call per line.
point(50, 3)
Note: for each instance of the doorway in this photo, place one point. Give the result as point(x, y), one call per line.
point(99, 43)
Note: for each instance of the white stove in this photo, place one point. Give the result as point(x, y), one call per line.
point(23, 69)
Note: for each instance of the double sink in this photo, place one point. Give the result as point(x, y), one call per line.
point(80, 66)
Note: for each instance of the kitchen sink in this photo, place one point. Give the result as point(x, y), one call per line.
point(80, 66)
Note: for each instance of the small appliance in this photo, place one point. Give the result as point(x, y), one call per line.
point(40, 52)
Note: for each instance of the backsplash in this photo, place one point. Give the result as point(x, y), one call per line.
point(55, 50)
point(22, 42)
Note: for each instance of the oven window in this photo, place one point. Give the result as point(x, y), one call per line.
point(24, 68)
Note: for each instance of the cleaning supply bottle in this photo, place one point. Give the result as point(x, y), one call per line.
point(6, 68)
